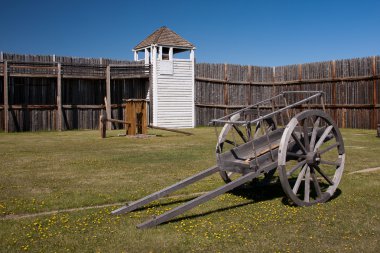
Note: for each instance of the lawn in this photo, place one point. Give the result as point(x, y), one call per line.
point(57, 190)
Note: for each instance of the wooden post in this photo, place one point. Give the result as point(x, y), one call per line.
point(299, 72)
point(248, 88)
point(108, 96)
point(6, 105)
point(144, 124)
point(102, 126)
point(59, 98)
point(130, 116)
point(378, 130)
point(333, 95)
point(374, 113)
point(273, 81)
point(225, 90)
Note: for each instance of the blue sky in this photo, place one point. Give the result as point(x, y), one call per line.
point(264, 33)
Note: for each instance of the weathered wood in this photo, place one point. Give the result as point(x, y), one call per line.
point(108, 96)
point(103, 126)
point(136, 114)
point(225, 90)
point(6, 105)
point(59, 99)
point(333, 92)
point(328, 106)
point(374, 112)
point(170, 130)
point(295, 82)
point(119, 121)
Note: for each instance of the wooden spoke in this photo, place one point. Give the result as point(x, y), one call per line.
point(337, 163)
point(306, 136)
point(307, 185)
point(299, 143)
point(299, 179)
point(315, 182)
point(317, 168)
point(299, 165)
point(314, 133)
point(231, 142)
point(292, 154)
point(323, 137)
point(336, 144)
point(240, 133)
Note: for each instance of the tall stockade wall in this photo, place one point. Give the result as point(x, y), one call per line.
point(35, 102)
point(352, 88)
point(60, 93)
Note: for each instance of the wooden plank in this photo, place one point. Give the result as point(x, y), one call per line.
point(65, 76)
point(299, 72)
point(320, 106)
point(374, 111)
point(32, 75)
point(108, 96)
point(293, 82)
point(225, 90)
point(6, 105)
point(333, 91)
point(59, 98)
point(248, 88)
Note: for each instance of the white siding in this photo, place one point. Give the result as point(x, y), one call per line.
point(174, 106)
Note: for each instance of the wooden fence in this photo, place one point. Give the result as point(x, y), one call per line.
point(58, 93)
point(352, 88)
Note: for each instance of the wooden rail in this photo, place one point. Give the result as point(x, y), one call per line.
point(294, 82)
point(103, 126)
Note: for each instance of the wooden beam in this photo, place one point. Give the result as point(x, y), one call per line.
point(248, 91)
point(374, 113)
point(330, 106)
point(225, 90)
point(333, 91)
point(295, 82)
point(299, 72)
point(6, 105)
point(108, 97)
point(59, 98)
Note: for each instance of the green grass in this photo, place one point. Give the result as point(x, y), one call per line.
point(49, 171)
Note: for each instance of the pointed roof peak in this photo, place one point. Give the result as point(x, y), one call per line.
point(163, 36)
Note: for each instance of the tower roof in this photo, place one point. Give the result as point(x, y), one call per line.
point(164, 37)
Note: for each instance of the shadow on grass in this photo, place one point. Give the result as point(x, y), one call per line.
point(253, 192)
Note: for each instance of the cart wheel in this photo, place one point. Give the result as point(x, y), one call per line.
point(311, 158)
point(232, 136)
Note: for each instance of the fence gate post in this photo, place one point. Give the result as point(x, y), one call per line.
point(108, 95)
point(59, 98)
point(6, 105)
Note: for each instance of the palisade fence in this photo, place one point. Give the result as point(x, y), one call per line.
point(59, 93)
point(352, 88)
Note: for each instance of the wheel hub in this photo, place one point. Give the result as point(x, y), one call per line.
point(313, 158)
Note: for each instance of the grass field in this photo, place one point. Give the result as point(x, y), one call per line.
point(85, 177)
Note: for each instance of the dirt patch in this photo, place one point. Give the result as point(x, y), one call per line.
point(365, 170)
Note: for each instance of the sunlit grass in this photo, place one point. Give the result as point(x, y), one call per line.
point(50, 171)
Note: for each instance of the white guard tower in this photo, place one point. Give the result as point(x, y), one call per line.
point(172, 93)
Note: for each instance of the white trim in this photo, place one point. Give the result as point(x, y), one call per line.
point(170, 54)
point(146, 55)
point(155, 86)
point(135, 56)
point(192, 59)
point(160, 53)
